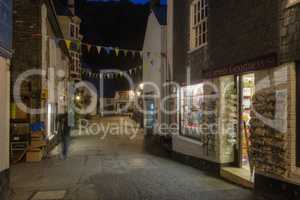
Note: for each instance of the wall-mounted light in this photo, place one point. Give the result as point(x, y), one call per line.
point(78, 98)
point(141, 86)
point(138, 93)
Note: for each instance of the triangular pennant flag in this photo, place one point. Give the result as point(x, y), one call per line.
point(107, 49)
point(141, 54)
point(89, 47)
point(99, 49)
point(117, 50)
point(133, 54)
point(79, 44)
point(125, 52)
point(68, 43)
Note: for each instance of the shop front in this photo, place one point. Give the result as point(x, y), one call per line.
point(256, 120)
point(241, 120)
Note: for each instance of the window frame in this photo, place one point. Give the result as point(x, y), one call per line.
point(72, 30)
point(198, 24)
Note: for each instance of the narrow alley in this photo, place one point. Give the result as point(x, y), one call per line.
point(117, 168)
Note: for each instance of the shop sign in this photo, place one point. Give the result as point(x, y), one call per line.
point(6, 25)
point(249, 66)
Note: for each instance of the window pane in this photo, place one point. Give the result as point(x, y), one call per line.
point(204, 38)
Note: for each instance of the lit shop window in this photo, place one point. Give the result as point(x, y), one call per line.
point(198, 23)
point(191, 102)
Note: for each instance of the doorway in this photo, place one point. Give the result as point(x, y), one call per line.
point(247, 92)
point(241, 170)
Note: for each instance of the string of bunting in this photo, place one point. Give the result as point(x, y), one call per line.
point(109, 75)
point(77, 45)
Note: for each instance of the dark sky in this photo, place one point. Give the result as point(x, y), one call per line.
point(136, 1)
point(145, 1)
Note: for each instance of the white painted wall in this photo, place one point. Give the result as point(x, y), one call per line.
point(154, 63)
point(4, 113)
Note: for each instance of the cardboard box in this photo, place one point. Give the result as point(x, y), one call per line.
point(38, 135)
point(34, 155)
point(38, 144)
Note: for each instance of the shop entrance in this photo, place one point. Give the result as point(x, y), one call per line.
point(241, 93)
point(247, 91)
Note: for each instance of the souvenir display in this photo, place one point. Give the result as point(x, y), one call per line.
point(269, 146)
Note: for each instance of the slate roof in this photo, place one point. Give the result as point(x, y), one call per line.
point(161, 14)
point(61, 8)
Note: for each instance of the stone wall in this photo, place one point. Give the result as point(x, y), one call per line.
point(289, 32)
point(27, 43)
point(180, 41)
point(241, 30)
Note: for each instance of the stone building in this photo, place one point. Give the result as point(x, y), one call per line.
point(5, 58)
point(237, 66)
point(39, 44)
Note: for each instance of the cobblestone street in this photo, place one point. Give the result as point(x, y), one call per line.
point(118, 168)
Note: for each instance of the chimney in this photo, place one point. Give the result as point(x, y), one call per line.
point(154, 3)
point(71, 6)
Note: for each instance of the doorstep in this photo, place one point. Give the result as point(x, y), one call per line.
point(239, 176)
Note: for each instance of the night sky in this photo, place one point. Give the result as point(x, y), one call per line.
point(145, 1)
point(136, 1)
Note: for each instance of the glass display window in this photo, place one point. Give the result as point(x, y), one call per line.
point(192, 101)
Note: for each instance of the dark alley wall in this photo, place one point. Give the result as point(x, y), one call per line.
point(238, 31)
point(242, 30)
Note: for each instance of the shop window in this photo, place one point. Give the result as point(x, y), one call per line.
point(191, 101)
point(198, 23)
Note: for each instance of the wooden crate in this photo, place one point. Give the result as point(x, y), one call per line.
point(34, 155)
point(37, 135)
point(38, 144)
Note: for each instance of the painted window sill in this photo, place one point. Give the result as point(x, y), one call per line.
point(291, 4)
point(196, 49)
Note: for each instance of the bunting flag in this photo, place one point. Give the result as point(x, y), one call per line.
point(125, 52)
point(133, 54)
point(141, 54)
point(99, 49)
point(68, 43)
point(110, 75)
point(88, 47)
point(117, 50)
point(72, 43)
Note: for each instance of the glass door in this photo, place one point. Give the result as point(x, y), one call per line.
point(247, 92)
